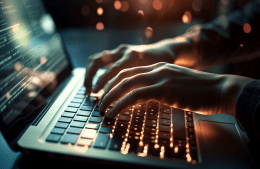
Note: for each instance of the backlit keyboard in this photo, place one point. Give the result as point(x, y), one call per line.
point(145, 129)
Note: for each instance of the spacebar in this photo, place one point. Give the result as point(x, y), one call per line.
point(178, 121)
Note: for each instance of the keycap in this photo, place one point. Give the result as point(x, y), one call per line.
point(165, 122)
point(67, 114)
point(191, 136)
point(71, 109)
point(126, 112)
point(76, 105)
point(116, 142)
point(83, 113)
point(53, 138)
point(77, 124)
point(81, 92)
point(88, 103)
point(88, 133)
point(123, 118)
point(80, 118)
point(165, 128)
point(69, 138)
point(178, 121)
point(64, 119)
point(138, 119)
point(105, 130)
point(165, 109)
point(165, 116)
point(87, 108)
point(139, 112)
point(85, 142)
point(74, 130)
point(192, 142)
point(189, 119)
point(150, 130)
point(136, 127)
point(95, 119)
point(92, 99)
point(101, 141)
point(189, 114)
point(191, 130)
point(152, 115)
point(58, 131)
point(190, 124)
point(120, 130)
point(96, 113)
point(150, 123)
point(79, 97)
point(164, 135)
point(76, 100)
point(120, 124)
point(92, 126)
point(62, 125)
point(108, 122)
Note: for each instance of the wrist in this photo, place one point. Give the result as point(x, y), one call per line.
point(230, 91)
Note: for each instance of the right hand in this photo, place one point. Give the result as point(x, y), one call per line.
point(124, 56)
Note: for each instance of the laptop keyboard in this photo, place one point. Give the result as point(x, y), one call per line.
point(145, 129)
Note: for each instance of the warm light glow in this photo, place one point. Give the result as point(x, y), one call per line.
point(17, 66)
point(124, 6)
point(141, 12)
point(117, 5)
point(176, 149)
point(241, 45)
point(43, 60)
point(196, 5)
point(157, 4)
point(188, 158)
point(162, 152)
point(100, 26)
point(99, 1)
point(32, 94)
point(148, 32)
point(100, 11)
point(247, 28)
point(16, 28)
point(187, 17)
point(8, 95)
point(85, 10)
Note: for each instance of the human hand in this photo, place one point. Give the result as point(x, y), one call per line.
point(124, 56)
point(175, 86)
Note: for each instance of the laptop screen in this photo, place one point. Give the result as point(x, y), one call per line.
point(31, 59)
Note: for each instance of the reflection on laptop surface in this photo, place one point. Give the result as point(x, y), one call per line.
point(43, 108)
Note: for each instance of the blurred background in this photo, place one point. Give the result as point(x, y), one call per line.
point(90, 26)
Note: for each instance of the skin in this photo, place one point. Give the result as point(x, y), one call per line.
point(150, 72)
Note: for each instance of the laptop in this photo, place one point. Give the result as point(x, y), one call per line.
point(44, 110)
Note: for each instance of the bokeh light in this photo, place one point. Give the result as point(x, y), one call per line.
point(117, 5)
point(157, 4)
point(99, 1)
point(141, 12)
point(100, 11)
point(16, 28)
point(187, 17)
point(100, 26)
point(224, 2)
point(247, 28)
point(43, 60)
point(148, 32)
point(124, 6)
point(17, 66)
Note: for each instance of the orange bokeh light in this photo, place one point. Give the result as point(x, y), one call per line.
point(124, 6)
point(187, 17)
point(100, 26)
point(99, 1)
point(117, 5)
point(148, 32)
point(100, 11)
point(247, 28)
point(141, 12)
point(157, 4)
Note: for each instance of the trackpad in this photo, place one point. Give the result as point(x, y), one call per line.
point(221, 140)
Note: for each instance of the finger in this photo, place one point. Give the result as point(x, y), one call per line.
point(125, 86)
point(122, 75)
point(136, 96)
point(110, 73)
point(95, 62)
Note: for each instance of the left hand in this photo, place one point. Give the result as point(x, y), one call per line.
point(176, 86)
